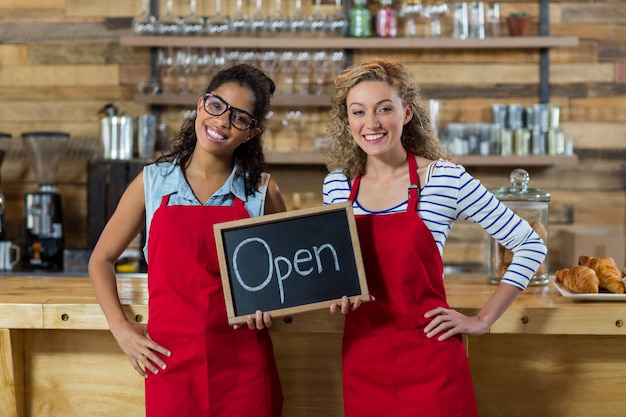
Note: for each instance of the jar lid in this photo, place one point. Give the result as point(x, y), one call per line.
point(519, 190)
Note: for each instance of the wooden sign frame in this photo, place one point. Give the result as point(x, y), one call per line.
point(292, 219)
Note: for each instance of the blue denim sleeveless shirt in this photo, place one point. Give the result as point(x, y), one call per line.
point(166, 178)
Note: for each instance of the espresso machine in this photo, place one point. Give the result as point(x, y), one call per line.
point(44, 216)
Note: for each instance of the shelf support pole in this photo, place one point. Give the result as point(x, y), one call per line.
point(544, 57)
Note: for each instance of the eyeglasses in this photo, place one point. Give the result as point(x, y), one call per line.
point(216, 106)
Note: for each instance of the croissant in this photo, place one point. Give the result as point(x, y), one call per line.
point(579, 279)
point(607, 271)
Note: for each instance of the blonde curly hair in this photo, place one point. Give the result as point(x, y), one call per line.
point(343, 152)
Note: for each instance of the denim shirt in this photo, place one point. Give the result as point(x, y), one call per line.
point(166, 178)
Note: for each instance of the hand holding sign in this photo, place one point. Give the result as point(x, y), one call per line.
point(290, 262)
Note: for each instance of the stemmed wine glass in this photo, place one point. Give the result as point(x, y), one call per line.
point(317, 21)
point(168, 24)
point(297, 21)
point(338, 22)
point(259, 22)
point(143, 24)
point(218, 24)
point(192, 24)
point(239, 22)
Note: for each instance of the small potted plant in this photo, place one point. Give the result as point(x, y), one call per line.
point(518, 24)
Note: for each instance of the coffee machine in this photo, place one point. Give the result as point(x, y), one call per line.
point(44, 216)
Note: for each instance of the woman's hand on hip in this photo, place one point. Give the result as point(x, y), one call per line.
point(447, 322)
point(140, 349)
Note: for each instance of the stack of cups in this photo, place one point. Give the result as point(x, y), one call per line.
point(146, 136)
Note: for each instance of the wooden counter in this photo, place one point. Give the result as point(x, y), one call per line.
point(547, 356)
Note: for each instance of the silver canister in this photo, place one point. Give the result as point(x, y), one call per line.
point(117, 137)
point(531, 204)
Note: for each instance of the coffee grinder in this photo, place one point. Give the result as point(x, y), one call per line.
point(44, 217)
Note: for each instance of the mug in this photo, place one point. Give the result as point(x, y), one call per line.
point(7, 249)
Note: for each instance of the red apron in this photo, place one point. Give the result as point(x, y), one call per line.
point(214, 370)
point(390, 367)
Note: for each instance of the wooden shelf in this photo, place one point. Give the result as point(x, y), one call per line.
point(192, 99)
point(295, 158)
point(533, 160)
point(314, 158)
point(504, 42)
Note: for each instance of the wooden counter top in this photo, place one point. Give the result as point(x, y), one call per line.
point(565, 357)
point(35, 302)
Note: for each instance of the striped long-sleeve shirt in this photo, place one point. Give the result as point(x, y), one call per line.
point(450, 193)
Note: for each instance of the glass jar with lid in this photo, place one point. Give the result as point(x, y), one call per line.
point(531, 204)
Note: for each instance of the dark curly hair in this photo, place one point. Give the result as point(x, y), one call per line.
point(248, 157)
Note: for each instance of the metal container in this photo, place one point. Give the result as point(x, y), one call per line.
point(532, 205)
point(117, 137)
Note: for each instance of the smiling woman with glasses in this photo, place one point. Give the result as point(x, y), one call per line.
point(216, 106)
point(193, 362)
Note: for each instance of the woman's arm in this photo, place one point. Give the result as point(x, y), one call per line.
point(274, 202)
point(447, 322)
point(124, 225)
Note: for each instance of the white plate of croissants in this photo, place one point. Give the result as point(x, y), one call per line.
point(598, 279)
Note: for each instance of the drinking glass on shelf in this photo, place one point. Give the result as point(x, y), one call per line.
point(165, 65)
point(192, 24)
point(320, 71)
point(298, 22)
point(477, 20)
point(410, 10)
point(218, 24)
point(143, 24)
point(182, 67)
point(168, 24)
point(259, 22)
point(337, 59)
point(287, 71)
point(204, 70)
point(233, 57)
point(434, 10)
point(293, 122)
point(303, 65)
point(338, 21)
point(492, 17)
point(318, 21)
point(279, 23)
point(460, 21)
point(268, 61)
point(239, 22)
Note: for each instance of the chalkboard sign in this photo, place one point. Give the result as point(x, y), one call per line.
point(290, 262)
